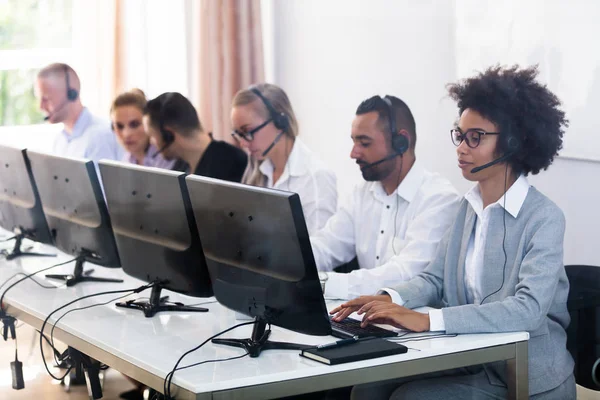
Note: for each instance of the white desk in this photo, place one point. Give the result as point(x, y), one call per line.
point(147, 348)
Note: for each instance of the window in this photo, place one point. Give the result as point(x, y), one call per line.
point(33, 33)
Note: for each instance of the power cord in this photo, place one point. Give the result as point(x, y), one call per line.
point(169, 377)
point(51, 342)
point(2, 310)
point(397, 203)
point(157, 395)
point(37, 282)
point(503, 237)
point(63, 356)
point(8, 239)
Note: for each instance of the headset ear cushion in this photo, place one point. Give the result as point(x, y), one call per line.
point(281, 122)
point(168, 136)
point(72, 94)
point(512, 143)
point(399, 143)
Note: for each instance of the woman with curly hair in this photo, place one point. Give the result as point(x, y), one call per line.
point(500, 266)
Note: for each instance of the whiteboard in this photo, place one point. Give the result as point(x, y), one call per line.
point(561, 36)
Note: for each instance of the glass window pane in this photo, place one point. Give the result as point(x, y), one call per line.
point(29, 24)
point(18, 105)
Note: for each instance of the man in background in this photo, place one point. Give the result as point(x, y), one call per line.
point(83, 136)
point(175, 130)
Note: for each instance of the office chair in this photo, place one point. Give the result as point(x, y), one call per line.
point(583, 334)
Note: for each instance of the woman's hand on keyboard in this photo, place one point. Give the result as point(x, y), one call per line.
point(344, 310)
point(379, 312)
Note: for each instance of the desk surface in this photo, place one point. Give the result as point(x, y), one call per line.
point(153, 345)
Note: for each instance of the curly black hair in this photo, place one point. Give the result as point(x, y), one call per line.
point(521, 107)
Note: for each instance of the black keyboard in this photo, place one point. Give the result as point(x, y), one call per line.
point(350, 327)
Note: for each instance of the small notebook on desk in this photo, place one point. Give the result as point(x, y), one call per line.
point(362, 350)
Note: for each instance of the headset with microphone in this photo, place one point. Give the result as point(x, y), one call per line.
point(512, 145)
point(72, 95)
point(280, 120)
point(399, 142)
point(167, 136)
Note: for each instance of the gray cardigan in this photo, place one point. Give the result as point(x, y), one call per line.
point(533, 297)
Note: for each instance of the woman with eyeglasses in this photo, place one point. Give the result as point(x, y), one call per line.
point(500, 266)
point(126, 115)
point(265, 124)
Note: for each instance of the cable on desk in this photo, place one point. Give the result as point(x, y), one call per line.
point(7, 239)
point(129, 291)
point(24, 274)
point(2, 310)
point(157, 395)
point(169, 377)
point(78, 309)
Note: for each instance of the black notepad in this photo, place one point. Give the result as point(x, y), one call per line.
point(362, 350)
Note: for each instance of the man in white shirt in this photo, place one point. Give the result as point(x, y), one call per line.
point(392, 222)
point(84, 135)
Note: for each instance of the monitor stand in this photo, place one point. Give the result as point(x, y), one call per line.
point(79, 275)
point(156, 304)
point(260, 341)
point(17, 252)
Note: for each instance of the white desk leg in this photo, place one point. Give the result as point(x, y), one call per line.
point(517, 373)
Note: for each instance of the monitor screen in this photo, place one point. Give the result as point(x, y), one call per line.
point(75, 209)
point(258, 253)
point(20, 206)
point(154, 227)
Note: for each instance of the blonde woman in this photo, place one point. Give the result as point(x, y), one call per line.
point(264, 123)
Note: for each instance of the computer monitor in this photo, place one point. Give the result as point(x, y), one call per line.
point(74, 205)
point(20, 206)
point(156, 233)
point(258, 253)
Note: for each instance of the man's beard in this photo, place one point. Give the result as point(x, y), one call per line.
point(378, 172)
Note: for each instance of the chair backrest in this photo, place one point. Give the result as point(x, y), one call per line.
point(583, 334)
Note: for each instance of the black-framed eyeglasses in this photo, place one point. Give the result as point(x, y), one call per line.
point(249, 136)
point(471, 136)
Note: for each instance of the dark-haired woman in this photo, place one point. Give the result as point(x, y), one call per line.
point(500, 266)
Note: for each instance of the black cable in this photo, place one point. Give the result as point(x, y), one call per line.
point(55, 352)
point(24, 274)
point(204, 362)
point(503, 237)
point(136, 290)
point(2, 310)
point(8, 239)
point(211, 361)
point(79, 309)
point(169, 377)
point(397, 204)
point(203, 303)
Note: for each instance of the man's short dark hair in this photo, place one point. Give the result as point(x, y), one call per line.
point(404, 117)
point(175, 111)
point(520, 106)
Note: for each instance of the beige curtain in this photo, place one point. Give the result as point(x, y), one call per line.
point(227, 57)
point(97, 56)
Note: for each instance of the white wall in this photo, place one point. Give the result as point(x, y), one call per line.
point(330, 55)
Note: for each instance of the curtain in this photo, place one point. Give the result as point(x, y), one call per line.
point(226, 55)
point(97, 57)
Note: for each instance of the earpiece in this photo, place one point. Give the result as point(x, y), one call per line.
point(399, 142)
point(167, 136)
point(280, 119)
point(72, 94)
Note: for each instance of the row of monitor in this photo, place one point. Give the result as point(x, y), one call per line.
point(189, 234)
